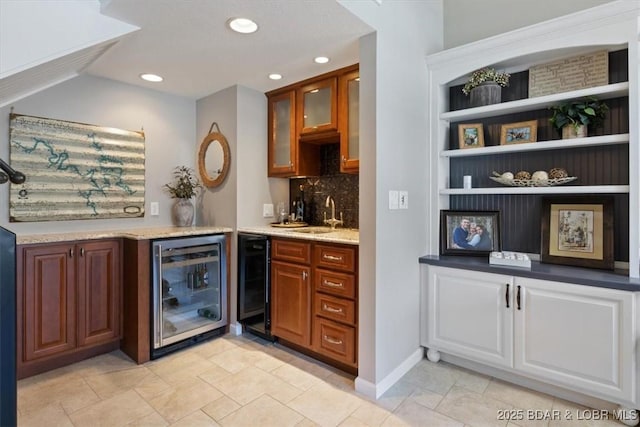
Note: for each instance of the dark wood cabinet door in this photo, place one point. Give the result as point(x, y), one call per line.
point(291, 296)
point(46, 311)
point(99, 300)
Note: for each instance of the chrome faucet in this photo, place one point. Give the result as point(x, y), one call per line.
point(332, 221)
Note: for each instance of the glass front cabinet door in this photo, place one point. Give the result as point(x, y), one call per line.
point(349, 94)
point(282, 134)
point(318, 108)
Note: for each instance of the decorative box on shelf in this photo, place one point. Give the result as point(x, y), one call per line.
point(510, 259)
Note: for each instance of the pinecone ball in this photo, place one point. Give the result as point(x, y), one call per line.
point(556, 173)
point(523, 175)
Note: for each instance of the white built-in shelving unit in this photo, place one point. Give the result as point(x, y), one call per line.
point(612, 28)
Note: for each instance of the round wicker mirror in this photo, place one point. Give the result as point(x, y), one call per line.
point(213, 158)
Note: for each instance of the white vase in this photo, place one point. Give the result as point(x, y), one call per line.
point(570, 131)
point(183, 212)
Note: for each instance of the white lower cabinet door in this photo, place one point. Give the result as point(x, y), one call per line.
point(577, 336)
point(469, 314)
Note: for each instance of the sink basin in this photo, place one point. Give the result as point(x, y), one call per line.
point(313, 230)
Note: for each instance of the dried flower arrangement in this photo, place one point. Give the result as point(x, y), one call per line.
point(483, 75)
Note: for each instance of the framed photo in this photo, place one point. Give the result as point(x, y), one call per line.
point(517, 133)
point(471, 135)
point(469, 232)
point(578, 231)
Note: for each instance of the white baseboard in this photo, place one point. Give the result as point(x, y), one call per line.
point(376, 390)
point(235, 329)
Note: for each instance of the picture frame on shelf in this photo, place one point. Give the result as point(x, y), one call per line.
point(470, 135)
point(474, 233)
point(578, 231)
point(518, 133)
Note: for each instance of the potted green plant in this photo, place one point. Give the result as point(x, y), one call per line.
point(485, 86)
point(573, 117)
point(184, 187)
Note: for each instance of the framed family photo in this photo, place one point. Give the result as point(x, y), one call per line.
point(578, 231)
point(469, 232)
point(517, 133)
point(470, 135)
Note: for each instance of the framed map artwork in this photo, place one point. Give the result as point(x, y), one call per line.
point(75, 171)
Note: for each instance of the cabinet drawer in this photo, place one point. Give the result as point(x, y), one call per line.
point(291, 250)
point(335, 340)
point(335, 257)
point(339, 309)
point(332, 282)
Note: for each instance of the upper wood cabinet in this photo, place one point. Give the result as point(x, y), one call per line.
point(318, 109)
point(307, 114)
point(349, 121)
point(282, 133)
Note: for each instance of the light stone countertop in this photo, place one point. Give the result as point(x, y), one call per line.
point(318, 234)
point(133, 233)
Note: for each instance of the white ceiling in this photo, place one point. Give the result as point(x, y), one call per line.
point(189, 44)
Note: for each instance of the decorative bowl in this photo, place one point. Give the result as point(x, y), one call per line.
point(533, 183)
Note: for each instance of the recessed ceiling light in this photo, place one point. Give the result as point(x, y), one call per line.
point(242, 25)
point(275, 76)
point(321, 59)
point(151, 77)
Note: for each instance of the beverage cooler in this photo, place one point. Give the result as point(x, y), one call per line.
point(189, 291)
point(254, 286)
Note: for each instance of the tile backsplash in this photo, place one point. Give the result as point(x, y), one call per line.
point(343, 188)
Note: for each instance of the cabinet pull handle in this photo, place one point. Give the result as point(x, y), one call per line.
point(331, 257)
point(344, 159)
point(330, 309)
point(71, 253)
point(518, 298)
point(304, 275)
point(506, 297)
point(81, 251)
point(331, 340)
point(332, 284)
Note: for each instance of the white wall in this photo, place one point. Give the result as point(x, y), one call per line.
point(62, 27)
point(406, 32)
point(241, 115)
point(470, 20)
point(254, 188)
point(217, 206)
point(168, 123)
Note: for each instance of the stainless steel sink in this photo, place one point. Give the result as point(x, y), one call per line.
point(313, 230)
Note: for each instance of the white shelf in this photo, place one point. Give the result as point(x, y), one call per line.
point(557, 144)
point(602, 92)
point(570, 189)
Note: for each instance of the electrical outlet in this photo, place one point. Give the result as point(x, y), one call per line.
point(154, 207)
point(267, 210)
point(403, 202)
point(393, 199)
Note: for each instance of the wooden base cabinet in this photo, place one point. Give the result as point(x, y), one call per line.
point(291, 314)
point(573, 336)
point(314, 298)
point(68, 303)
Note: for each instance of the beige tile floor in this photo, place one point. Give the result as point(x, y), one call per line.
point(245, 381)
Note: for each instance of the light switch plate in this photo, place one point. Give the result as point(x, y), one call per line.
point(267, 210)
point(393, 199)
point(154, 207)
point(403, 199)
